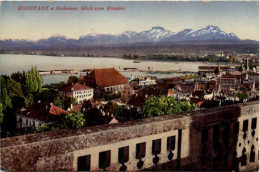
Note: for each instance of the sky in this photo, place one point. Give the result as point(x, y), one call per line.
point(239, 17)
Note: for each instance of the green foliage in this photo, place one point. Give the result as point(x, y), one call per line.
point(43, 128)
point(155, 106)
point(1, 113)
point(74, 119)
point(55, 85)
point(93, 117)
point(5, 98)
point(87, 105)
point(18, 77)
point(29, 99)
point(112, 108)
point(110, 96)
point(18, 102)
point(68, 101)
point(58, 102)
point(14, 88)
point(127, 114)
point(33, 81)
point(72, 79)
point(243, 96)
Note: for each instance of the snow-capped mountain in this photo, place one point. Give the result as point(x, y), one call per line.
point(157, 34)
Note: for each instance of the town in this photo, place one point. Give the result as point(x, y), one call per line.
point(105, 96)
point(129, 86)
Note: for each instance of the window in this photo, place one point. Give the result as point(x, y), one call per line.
point(84, 163)
point(156, 146)
point(123, 154)
point(140, 150)
point(104, 159)
point(253, 125)
point(171, 143)
point(245, 125)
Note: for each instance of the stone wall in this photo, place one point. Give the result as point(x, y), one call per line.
point(201, 140)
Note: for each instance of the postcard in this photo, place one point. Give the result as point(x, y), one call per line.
point(129, 85)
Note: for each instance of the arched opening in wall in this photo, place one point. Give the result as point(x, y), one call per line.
point(252, 154)
point(253, 126)
point(156, 149)
point(171, 146)
point(84, 163)
point(140, 153)
point(104, 159)
point(245, 125)
point(243, 158)
point(254, 123)
point(123, 157)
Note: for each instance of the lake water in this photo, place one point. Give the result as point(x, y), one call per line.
point(12, 63)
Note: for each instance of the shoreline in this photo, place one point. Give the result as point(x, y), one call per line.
point(134, 59)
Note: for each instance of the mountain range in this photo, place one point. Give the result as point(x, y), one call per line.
point(209, 34)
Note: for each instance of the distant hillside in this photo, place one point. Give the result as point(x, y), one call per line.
point(155, 36)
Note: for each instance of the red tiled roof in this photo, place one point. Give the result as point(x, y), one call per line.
point(43, 111)
point(77, 107)
point(75, 87)
point(104, 78)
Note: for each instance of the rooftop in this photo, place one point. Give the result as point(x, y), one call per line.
point(104, 78)
point(43, 112)
point(74, 87)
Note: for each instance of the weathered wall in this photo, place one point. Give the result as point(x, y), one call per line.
point(60, 150)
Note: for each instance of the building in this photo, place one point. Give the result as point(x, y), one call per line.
point(104, 80)
point(78, 91)
point(183, 91)
point(37, 114)
point(172, 80)
point(209, 70)
point(127, 91)
point(147, 80)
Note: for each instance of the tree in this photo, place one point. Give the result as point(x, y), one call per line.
point(33, 81)
point(155, 106)
point(5, 98)
point(72, 80)
point(68, 101)
point(87, 105)
point(18, 77)
point(1, 113)
point(58, 102)
point(125, 114)
point(74, 119)
point(112, 108)
point(93, 116)
point(243, 96)
point(43, 127)
point(14, 88)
